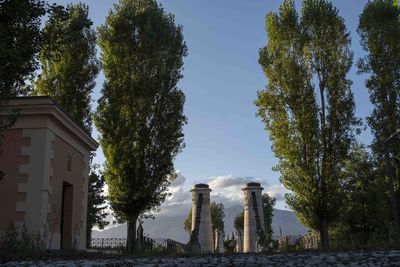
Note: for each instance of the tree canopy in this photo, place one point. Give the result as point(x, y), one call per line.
point(238, 222)
point(68, 62)
point(20, 36)
point(366, 213)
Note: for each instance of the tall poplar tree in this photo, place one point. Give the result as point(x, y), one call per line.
point(68, 62)
point(140, 113)
point(308, 107)
point(379, 29)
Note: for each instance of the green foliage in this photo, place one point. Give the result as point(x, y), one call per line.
point(140, 113)
point(308, 106)
point(96, 213)
point(17, 242)
point(379, 29)
point(187, 224)
point(365, 214)
point(19, 44)
point(68, 62)
point(217, 218)
point(268, 208)
point(230, 245)
point(239, 221)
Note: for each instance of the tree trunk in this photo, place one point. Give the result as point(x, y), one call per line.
point(131, 240)
point(324, 234)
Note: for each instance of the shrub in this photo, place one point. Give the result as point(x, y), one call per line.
point(17, 242)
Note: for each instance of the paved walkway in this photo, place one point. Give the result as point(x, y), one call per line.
point(378, 258)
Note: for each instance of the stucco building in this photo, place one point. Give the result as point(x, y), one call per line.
point(45, 161)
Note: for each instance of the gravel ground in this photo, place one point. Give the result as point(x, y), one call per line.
point(375, 258)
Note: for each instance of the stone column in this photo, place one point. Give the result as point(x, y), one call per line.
point(219, 241)
point(201, 218)
point(239, 242)
point(253, 217)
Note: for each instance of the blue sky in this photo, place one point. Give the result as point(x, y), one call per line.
point(221, 78)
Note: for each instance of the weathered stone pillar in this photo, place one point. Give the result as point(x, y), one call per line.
point(254, 227)
point(219, 241)
point(239, 242)
point(140, 237)
point(201, 218)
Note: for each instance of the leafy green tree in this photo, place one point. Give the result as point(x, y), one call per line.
point(96, 209)
point(140, 113)
point(187, 224)
point(308, 107)
point(20, 36)
point(68, 62)
point(365, 214)
point(217, 218)
point(379, 29)
point(268, 208)
point(238, 222)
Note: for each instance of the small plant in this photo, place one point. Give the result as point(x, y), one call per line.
point(230, 245)
point(17, 242)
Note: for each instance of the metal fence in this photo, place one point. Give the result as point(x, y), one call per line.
point(107, 243)
point(146, 244)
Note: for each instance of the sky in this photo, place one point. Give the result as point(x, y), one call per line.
point(225, 141)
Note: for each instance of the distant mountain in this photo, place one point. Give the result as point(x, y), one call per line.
point(288, 222)
point(165, 226)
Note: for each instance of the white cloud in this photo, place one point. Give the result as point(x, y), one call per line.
point(228, 189)
point(277, 191)
point(179, 180)
point(230, 181)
